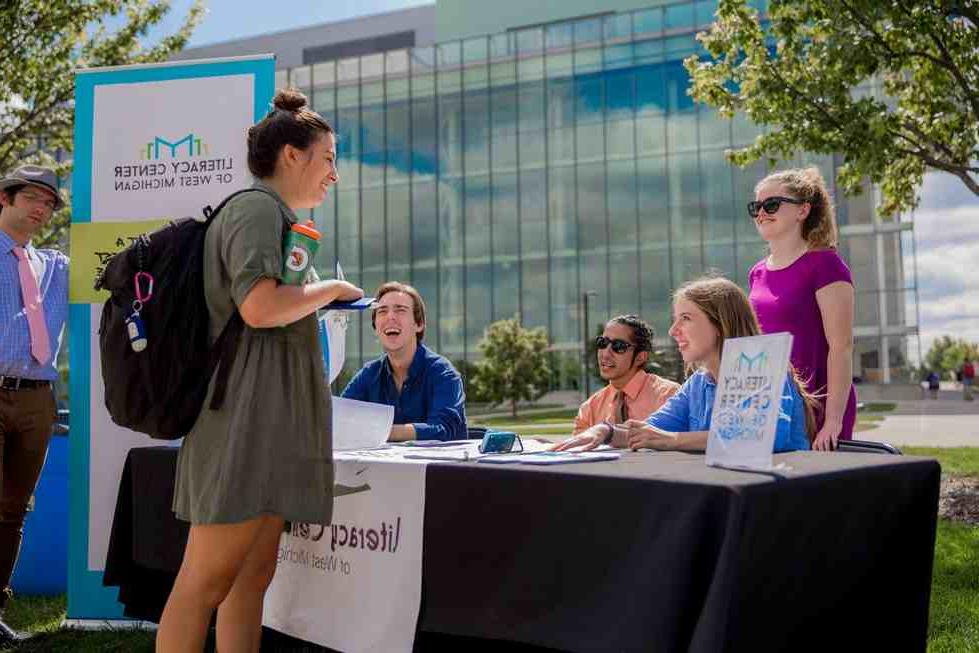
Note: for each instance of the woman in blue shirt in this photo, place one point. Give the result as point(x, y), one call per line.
point(705, 313)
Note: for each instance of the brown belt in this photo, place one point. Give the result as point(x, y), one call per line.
point(17, 383)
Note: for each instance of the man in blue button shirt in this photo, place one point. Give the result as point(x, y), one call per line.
point(33, 308)
point(425, 390)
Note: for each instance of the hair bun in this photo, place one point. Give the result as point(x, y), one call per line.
point(289, 99)
point(813, 175)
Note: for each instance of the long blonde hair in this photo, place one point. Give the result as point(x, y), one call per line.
point(819, 228)
point(727, 307)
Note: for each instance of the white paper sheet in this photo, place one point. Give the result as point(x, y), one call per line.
point(333, 338)
point(359, 424)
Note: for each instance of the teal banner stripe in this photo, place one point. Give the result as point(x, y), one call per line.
point(87, 598)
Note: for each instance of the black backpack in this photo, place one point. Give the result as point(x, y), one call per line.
point(160, 390)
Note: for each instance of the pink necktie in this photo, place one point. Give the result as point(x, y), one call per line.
point(40, 345)
point(621, 412)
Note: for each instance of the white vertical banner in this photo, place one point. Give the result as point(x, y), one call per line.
point(152, 143)
point(747, 401)
point(355, 585)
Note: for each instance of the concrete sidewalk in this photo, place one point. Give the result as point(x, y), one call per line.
point(945, 422)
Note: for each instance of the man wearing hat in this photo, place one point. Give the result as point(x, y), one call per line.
point(33, 308)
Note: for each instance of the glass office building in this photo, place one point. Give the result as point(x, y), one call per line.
point(516, 173)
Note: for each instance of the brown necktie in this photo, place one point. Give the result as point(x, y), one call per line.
point(621, 414)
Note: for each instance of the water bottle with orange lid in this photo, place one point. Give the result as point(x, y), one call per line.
point(301, 244)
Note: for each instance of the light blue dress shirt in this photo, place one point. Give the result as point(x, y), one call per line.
point(51, 270)
point(690, 410)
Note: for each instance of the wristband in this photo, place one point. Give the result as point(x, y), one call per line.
point(611, 431)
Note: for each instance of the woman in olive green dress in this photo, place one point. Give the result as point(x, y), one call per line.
point(265, 456)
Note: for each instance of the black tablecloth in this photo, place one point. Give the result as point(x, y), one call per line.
point(653, 552)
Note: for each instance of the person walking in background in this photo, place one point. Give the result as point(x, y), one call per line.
point(805, 288)
point(968, 378)
point(33, 308)
point(934, 382)
point(266, 455)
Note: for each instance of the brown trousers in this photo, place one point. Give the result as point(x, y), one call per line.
point(26, 421)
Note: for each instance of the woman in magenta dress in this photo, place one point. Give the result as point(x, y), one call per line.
point(805, 288)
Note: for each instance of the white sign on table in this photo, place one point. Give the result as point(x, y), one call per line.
point(747, 401)
point(355, 585)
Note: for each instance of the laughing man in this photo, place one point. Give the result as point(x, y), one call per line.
point(424, 388)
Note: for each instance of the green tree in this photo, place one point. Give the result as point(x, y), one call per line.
point(43, 42)
point(803, 70)
point(514, 366)
point(947, 354)
point(467, 370)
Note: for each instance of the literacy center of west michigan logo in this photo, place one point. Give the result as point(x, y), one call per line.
point(165, 163)
point(744, 402)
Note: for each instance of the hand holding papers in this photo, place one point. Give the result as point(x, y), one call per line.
point(356, 305)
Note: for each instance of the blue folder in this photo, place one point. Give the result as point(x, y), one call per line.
point(359, 305)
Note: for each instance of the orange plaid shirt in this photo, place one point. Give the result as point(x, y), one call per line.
point(644, 393)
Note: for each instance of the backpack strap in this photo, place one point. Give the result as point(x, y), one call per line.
point(210, 214)
point(222, 355)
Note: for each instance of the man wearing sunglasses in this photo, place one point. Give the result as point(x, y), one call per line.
point(33, 308)
point(632, 392)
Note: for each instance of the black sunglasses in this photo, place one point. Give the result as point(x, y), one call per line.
point(770, 205)
point(618, 346)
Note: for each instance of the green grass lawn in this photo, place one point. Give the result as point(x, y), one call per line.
point(878, 407)
point(565, 415)
point(954, 613)
point(42, 615)
point(483, 409)
point(961, 461)
point(871, 415)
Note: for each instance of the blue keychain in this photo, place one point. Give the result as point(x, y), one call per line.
point(136, 330)
point(134, 323)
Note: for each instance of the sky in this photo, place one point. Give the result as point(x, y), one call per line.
point(946, 222)
point(947, 239)
point(227, 20)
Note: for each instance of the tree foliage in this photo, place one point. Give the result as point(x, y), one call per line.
point(515, 364)
point(947, 354)
point(891, 85)
point(43, 42)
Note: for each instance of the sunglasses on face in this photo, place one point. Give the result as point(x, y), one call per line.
point(618, 346)
point(770, 205)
